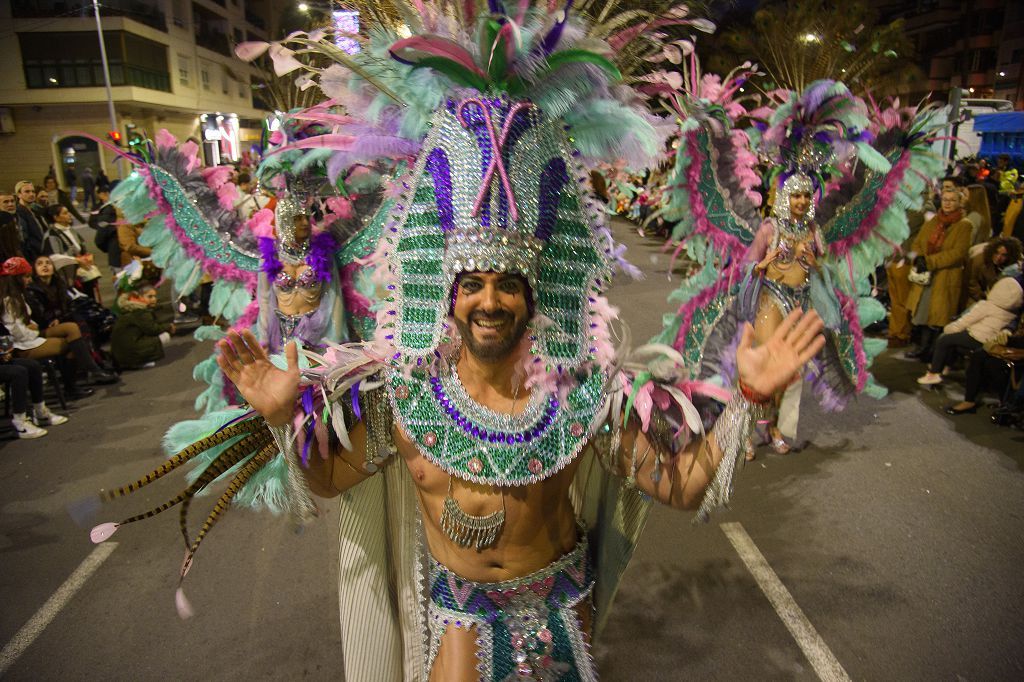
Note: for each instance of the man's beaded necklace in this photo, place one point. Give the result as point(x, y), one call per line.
point(477, 444)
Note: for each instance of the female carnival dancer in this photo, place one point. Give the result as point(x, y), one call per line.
point(490, 433)
point(758, 271)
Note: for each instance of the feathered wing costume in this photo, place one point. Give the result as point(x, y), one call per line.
point(824, 140)
point(498, 185)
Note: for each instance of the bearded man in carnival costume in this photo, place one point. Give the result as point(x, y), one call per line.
point(495, 454)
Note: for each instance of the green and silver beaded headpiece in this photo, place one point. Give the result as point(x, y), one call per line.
point(497, 188)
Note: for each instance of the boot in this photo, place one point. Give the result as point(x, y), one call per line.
point(69, 371)
point(83, 356)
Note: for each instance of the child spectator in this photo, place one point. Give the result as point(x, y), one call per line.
point(138, 339)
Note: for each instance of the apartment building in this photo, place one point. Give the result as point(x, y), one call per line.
point(977, 45)
point(171, 66)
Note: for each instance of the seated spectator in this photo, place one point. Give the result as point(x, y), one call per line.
point(59, 197)
point(986, 267)
point(51, 299)
point(10, 236)
point(61, 341)
point(138, 339)
point(977, 326)
point(938, 255)
point(24, 378)
point(991, 367)
point(62, 240)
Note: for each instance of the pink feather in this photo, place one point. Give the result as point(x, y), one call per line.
point(261, 223)
point(164, 139)
point(191, 151)
point(435, 46)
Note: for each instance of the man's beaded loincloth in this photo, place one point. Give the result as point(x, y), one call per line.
point(527, 628)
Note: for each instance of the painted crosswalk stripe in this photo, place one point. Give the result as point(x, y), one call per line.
point(57, 601)
point(807, 638)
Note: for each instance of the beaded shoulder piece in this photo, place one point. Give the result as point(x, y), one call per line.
point(474, 443)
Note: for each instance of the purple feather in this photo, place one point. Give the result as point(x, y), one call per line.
point(496, 7)
point(815, 96)
point(268, 251)
point(550, 41)
point(321, 250)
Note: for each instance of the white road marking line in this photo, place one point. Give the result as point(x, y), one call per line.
point(37, 623)
point(807, 638)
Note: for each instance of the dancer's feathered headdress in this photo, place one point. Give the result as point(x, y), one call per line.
point(504, 104)
point(812, 132)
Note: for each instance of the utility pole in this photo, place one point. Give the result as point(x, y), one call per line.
point(106, 70)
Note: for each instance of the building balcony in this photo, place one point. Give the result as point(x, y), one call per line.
point(255, 20)
point(142, 12)
point(82, 73)
point(215, 41)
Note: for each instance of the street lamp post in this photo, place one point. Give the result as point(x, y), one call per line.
point(106, 67)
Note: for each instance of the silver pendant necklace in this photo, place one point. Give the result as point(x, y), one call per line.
point(468, 530)
point(465, 529)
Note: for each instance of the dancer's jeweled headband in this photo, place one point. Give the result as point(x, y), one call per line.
point(497, 189)
point(798, 183)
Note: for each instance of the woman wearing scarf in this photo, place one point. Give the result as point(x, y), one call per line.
point(939, 253)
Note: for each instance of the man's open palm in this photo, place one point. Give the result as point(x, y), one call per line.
point(771, 366)
point(270, 391)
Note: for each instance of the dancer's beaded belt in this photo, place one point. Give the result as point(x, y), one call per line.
point(527, 627)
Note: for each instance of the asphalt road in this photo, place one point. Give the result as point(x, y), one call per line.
point(896, 531)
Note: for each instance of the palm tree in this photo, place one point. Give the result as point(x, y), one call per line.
point(799, 41)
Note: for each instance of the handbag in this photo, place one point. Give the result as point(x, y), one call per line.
point(922, 278)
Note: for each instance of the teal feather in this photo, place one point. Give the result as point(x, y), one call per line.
point(267, 488)
point(597, 129)
point(869, 310)
point(209, 332)
point(185, 433)
point(871, 158)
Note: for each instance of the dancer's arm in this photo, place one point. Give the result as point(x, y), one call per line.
point(274, 393)
point(680, 480)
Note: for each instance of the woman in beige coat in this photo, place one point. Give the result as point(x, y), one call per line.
point(977, 326)
point(940, 250)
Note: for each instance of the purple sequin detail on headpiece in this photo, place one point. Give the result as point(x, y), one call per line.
point(552, 181)
point(440, 171)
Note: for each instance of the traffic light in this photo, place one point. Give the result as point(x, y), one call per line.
point(115, 137)
point(134, 135)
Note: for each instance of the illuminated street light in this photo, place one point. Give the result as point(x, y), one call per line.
point(810, 38)
point(303, 7)
point(1002, 74)
point(971, 89)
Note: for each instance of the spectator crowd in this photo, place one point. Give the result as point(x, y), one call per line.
point(54, 326)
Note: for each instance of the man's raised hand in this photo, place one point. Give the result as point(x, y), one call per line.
point(270, 391)
point(771, 366)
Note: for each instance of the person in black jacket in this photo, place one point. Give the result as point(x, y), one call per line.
point(60, 197)
point(104, 221)
point(32, 227)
